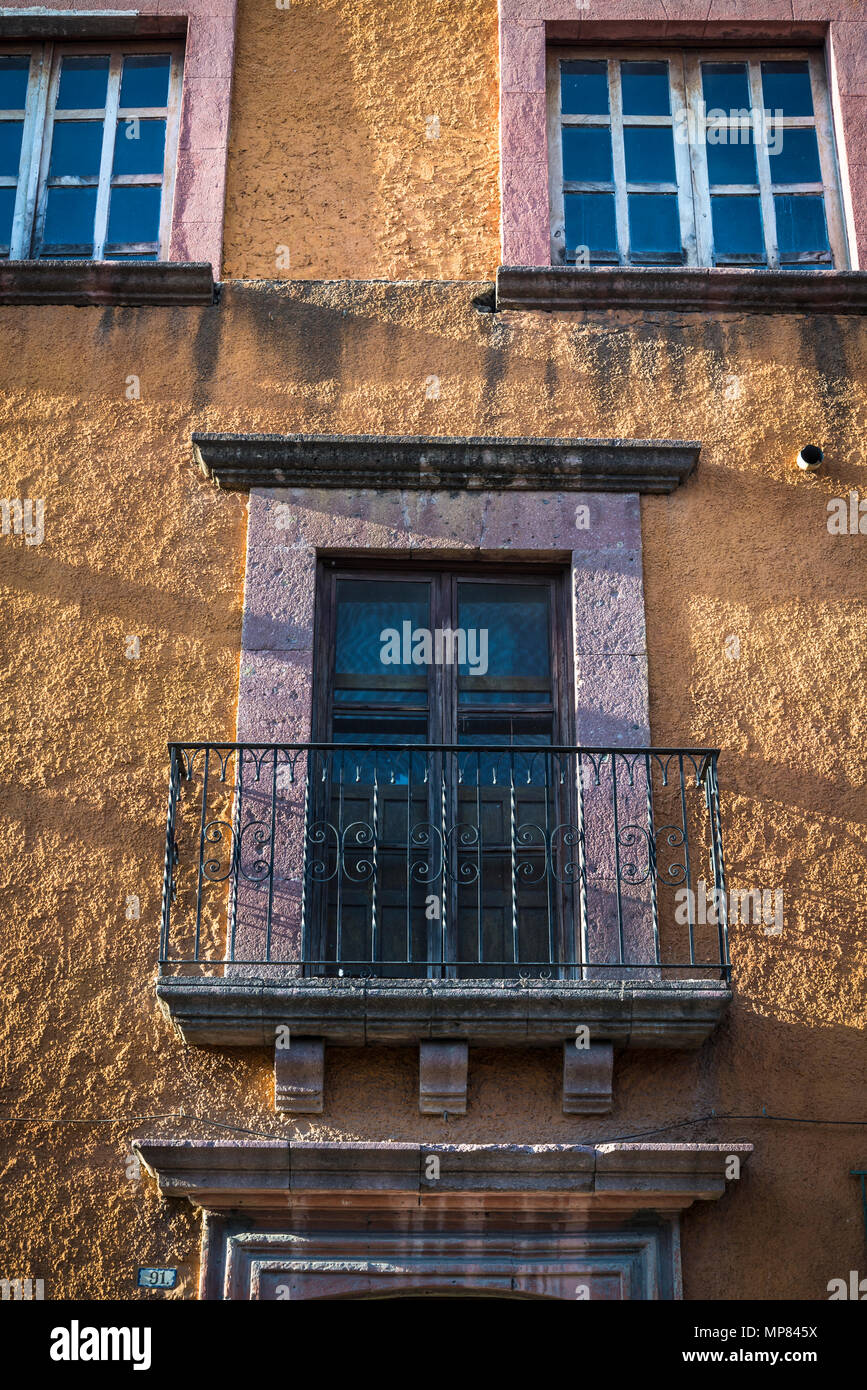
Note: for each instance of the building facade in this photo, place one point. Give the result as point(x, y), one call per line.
point(442, 426)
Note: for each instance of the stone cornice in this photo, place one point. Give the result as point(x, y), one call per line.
point(242, 461)
point(354, 1012)
point(150, 283)
point(274, 1173)
point(681, 290)
point(34, 22)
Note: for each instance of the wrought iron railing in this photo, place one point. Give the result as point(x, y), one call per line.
point(450, 861)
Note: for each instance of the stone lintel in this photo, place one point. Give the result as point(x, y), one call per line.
point(679, 290)
point(612, 1178)
point(299, 1076)
point(442, 1078)
point(390, 462)
point(36, 22)
point(588, 1074)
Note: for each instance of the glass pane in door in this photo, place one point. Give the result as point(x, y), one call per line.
point(381, 850)
point(506, 795)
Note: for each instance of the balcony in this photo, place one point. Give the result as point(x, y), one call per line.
point(444, 895)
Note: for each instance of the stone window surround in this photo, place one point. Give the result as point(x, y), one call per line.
point(527, 26)
point(200, 178)
point(492, 510)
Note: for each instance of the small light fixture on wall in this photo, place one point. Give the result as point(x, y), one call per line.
point(809, 458)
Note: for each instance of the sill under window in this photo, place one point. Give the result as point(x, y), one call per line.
point(682, 289)
point(82, 282)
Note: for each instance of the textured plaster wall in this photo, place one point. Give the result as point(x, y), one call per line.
point(136, 543)
point(364, 140)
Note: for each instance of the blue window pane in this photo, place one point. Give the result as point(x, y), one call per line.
point(139, 147)
point(76, 148)
point(725, 87)
point(731, 158)
point(786, 87)
point(14, 72)
point(367, 609)
point(590, 222)
point(145, 80)
point(83, 84)
point(645, 89)
point(654, 225)
point(797, 159)
point(801, 226)
point(69, 218)
point(584, 88)
point(7, 211)
point(134, 215)
point(649, 154)
point(10, 147)
point(737, 227)
point(131, 255)
point(587, 154)
point(516, 618)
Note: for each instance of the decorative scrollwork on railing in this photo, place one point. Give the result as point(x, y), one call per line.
point(462, 840)
point(531, 871)
point(563, 838)
point(317, 837)
point(215, 832)
point(628, 836)
point(676, 872)
point(358, 836)
point(259, 832)
point(526, 846)
point(425, 836)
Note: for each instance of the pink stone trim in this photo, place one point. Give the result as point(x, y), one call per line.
point(287, 527)
point(526, 25)
point(200, 179)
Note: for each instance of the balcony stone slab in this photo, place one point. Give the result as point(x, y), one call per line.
point(247, 1012)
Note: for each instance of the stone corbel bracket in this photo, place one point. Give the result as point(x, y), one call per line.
point(299, 1017)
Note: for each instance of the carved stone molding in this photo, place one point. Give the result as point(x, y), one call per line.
point(246, 1012)
point(576, 1178)
point(681, 290)
point(149, 283)
point(242, 461)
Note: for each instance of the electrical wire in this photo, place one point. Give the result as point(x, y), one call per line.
point(261, 1134)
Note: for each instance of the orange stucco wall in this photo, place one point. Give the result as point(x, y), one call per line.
point(364, 141)
point(329, 156)
point(136, 543)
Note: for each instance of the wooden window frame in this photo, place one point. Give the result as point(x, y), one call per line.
point(442, 710)
point(39, 116)
point(442, 692)
point(692, 188)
